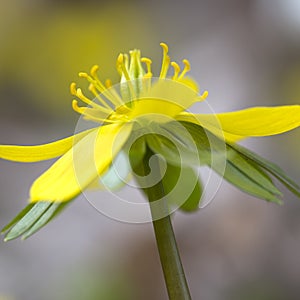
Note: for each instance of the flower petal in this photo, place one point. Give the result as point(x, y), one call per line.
point(165, 98)
point(75, 170)
point(40, 152)
point(256, 121)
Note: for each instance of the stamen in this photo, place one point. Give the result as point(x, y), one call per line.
point(73, 89)
point(204, 95)
point(99, 85)
point(96, 94)
point(126, 60)
point(121, 64)
point(165, 62)
point(94, 71)
point(187, 68)
point(116, 96)
point(76, 108)
point(87, 114)
point(176, 70)
point(148, 63)
point(89, 102)
point(108, 83)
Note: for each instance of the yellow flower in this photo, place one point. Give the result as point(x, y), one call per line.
point(135, 104)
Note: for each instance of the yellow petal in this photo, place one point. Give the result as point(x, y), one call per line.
point(251, 122)
point(190, 82)
point(81, 165)
point(39, 152)
point(166, 98)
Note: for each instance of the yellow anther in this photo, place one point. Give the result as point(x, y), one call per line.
point(108, 83)
point(82, 97)
point(121, 65)
point(148, 63)
point(187, 68)
point(83, 75)
point(73, 89)
point(176, 70)
point(165, 62)
point(94, 71)
point(76, 107)
point(120, 59)
point(165, 47)
point(204, 95)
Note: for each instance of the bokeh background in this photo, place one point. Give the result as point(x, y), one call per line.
point(245, 53)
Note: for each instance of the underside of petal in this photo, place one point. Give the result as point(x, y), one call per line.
point(251, 122)
point(40, 152)
point(81, 165)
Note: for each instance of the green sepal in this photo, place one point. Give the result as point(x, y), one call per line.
point(189, 179)
point(31, 219)
point(238, 178)
point(136, 149)
point(49, 214)
point(242, 171)
point(190, 190)
point(18, 217)
point(272, 168)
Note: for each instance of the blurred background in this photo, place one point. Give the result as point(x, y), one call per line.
point(245, 53)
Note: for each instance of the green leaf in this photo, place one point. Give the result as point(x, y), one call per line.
point(272, 168)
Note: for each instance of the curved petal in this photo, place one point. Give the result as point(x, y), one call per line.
point(165, 99)
point(251, 122)
point(75, 170)
point(40, 152)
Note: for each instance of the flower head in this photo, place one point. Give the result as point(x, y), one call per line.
point(146, 111)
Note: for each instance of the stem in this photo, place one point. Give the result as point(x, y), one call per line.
point(166, 243)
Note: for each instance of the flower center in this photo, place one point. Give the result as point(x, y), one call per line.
point(138, 94)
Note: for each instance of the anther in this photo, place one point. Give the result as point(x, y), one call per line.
point(165, 47)
point(187, 68)
point(83, 75)
point(73, 89)
point(176, 70)
point(108, 83)
point(204, 95)
point(94, 71)
point(165, 62)
point(76, 107)
point(148, 63)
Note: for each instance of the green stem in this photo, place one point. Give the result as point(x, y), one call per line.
point(166, 242)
